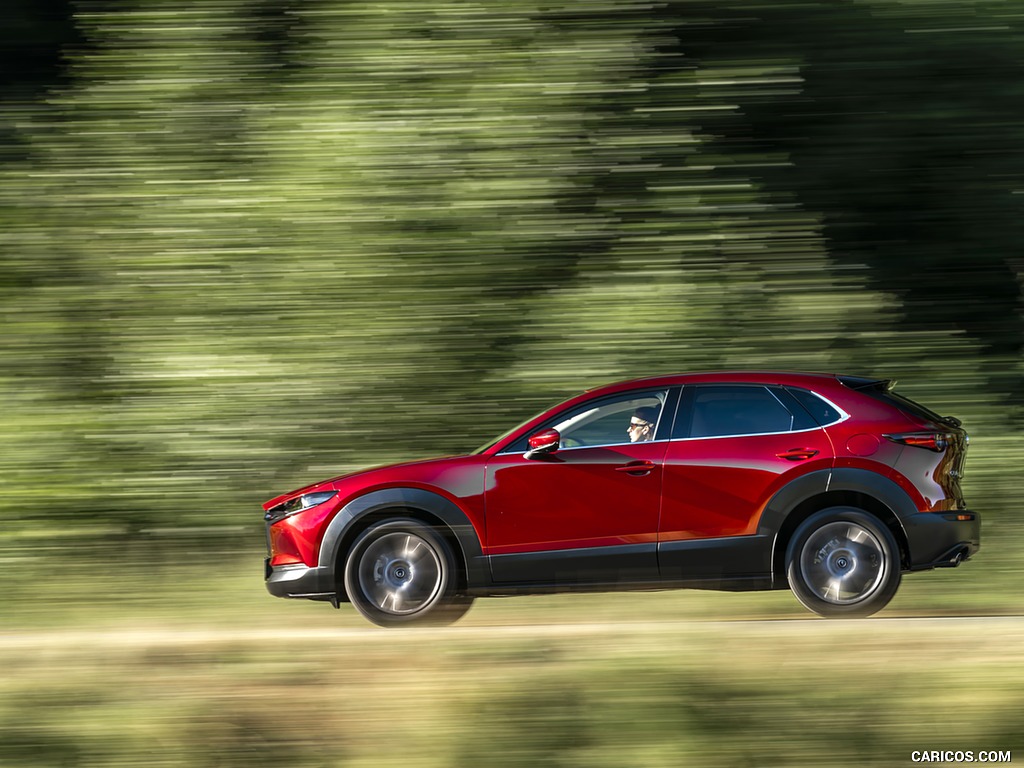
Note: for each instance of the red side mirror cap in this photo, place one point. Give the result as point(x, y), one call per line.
point(543, 442)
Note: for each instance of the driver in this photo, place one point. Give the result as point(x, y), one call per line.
point(642, 424)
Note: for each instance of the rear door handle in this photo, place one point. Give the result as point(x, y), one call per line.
point(797, 454)
point(637, 468)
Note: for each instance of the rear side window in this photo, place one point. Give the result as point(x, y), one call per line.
point(723, 410)
point(823, 412)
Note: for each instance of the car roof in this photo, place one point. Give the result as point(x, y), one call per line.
point(785, 378)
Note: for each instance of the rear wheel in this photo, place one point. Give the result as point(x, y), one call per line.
point(402, 572)
point(843, 562)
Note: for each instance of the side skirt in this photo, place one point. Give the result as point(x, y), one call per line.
point(627, 563)
point(724, 559)
point(738, 584)
point(733, 564)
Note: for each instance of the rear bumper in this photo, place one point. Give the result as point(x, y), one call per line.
point(299, 581)
point(941, 539)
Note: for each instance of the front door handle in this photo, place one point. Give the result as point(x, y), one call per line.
point(637, 468)
point(797, 454)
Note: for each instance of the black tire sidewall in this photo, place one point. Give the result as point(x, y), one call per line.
point(874, 602)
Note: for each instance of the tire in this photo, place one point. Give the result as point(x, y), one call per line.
point(401, 572)
point(843, 562)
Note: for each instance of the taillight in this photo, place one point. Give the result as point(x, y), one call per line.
point(933, 441)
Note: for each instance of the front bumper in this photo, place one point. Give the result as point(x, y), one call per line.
point(299, 581)
point(941, 539)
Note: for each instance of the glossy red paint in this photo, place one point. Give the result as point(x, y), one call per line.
point(459, 479)
point(583, 497)
point(719, 486)
point(297, 538)
point(863, 445)
point(934, 476)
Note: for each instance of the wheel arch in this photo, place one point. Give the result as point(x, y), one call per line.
point(427, 507)
point(859, 488)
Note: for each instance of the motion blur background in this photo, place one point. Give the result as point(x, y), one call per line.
point(250, 244)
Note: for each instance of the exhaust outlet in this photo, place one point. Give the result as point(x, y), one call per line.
point(953, 558)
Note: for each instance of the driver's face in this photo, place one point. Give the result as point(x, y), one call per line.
point(639, 430)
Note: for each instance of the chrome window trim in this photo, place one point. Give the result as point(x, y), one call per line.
point(751, 434)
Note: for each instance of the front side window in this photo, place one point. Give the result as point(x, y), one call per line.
point(723, 410)
point(618, 420)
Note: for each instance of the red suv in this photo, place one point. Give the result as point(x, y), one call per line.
point(832, 486)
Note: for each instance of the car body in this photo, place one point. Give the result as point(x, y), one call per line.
point(830, 485)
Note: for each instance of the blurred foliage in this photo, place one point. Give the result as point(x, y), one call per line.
point(248, 245)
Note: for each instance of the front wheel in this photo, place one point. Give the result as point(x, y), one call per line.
point(402, 572)
point(843, 562)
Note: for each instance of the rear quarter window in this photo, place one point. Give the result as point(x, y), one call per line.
point(824, 413)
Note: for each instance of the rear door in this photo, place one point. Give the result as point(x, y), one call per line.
point(733, 447)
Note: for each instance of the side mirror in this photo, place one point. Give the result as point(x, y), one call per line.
point(542, 443)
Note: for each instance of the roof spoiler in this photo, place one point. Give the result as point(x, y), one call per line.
point(861, 383)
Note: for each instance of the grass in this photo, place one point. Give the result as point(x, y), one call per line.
point(703, 693)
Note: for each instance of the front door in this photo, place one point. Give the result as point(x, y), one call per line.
point(587, 513)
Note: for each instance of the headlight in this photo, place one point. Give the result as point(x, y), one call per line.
point(298, 504)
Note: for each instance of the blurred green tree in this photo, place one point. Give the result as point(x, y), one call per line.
point(249, 244)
